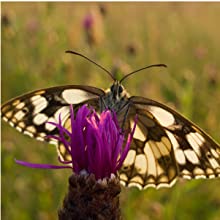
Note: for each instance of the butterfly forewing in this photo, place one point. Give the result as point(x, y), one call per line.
point(30, 113)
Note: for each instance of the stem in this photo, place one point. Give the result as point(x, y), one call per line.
point(88, 199)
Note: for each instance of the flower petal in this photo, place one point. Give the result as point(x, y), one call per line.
point(127, 146)
point(40, 166)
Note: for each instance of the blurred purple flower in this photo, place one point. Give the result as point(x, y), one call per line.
point(88, 21)
point(95, 143)
point(92, 24)
point(32, 26)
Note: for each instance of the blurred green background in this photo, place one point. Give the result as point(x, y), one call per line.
point(122, 37)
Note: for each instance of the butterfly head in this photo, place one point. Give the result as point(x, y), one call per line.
point(117, 91)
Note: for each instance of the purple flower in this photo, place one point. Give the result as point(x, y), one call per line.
point(95, 143)
point(88, 21)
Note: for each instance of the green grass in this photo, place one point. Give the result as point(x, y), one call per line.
point(185, 36)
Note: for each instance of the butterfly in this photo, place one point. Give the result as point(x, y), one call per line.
point(165, 145)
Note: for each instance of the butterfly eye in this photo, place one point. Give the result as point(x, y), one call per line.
point(120, 89)
point(112, 88)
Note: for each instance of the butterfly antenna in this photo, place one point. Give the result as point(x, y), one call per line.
point(154, 65)
point(79, 54)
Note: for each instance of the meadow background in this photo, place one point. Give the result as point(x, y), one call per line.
point(122, 37)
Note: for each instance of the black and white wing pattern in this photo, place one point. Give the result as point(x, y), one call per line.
point(166, 146)
point(30, 113)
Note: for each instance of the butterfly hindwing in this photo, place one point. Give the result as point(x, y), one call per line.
point(30, 113)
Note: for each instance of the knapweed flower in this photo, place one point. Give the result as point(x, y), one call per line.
point(88, 21)
point(95, 143)
point(92, 24)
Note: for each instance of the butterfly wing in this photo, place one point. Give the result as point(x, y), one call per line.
point(166, 146)
point(30, 113)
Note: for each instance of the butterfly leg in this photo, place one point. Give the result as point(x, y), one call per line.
point(125, 108)
point(103, 104)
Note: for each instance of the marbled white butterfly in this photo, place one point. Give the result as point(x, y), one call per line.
point(165, 146)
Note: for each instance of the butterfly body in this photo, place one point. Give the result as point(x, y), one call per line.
point(165, 145)
point(115, 98)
